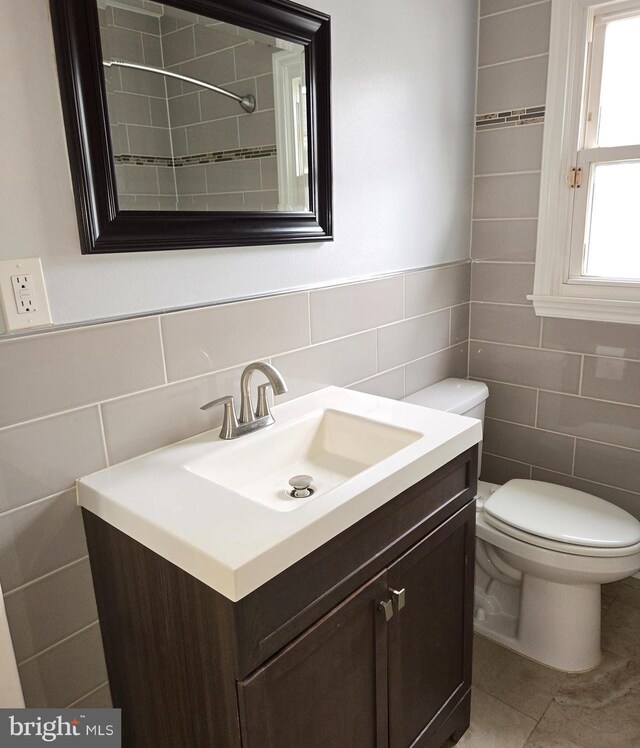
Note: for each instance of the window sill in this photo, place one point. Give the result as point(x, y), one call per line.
point(594, 310)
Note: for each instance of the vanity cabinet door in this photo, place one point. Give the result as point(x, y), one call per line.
point(328, 688)
point(430, 636)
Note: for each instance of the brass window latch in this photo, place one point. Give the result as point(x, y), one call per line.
point(574, 179)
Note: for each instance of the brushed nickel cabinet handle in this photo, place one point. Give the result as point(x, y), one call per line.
point(386, 606)
point(400, 598)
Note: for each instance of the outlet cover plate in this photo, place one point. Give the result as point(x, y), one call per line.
point(12, 319)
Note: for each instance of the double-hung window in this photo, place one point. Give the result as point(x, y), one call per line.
point(588, 261)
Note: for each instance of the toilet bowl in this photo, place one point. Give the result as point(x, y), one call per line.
point(542, 552)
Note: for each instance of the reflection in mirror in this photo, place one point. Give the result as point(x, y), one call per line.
point(203, 115)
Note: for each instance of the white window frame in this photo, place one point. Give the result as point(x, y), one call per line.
point(560, 289)
point(293, 175)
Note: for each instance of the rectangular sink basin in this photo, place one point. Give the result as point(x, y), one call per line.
point(329, 445)
point(219, 510)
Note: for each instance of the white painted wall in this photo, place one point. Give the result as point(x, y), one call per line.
point(403, 102)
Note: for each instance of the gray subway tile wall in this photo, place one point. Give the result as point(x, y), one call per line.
point(112, 391)
point(512, 86)
point(39, 537)
point(513, 240)
point(92, 354)
point(39, 611)
point(507, 37)
point(426, 291)
point(343, 310)
point(250, 329)
point(564, 401)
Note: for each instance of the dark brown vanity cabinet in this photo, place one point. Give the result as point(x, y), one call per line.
point(364, 643)
point(356, 680)
point(329, 687)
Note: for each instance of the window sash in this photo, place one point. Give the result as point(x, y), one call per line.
point(595, 64)
point(590, 155)
point(564, 133)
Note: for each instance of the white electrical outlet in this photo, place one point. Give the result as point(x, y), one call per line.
point(23, 294)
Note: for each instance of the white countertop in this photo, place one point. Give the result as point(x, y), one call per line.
point(234, 544)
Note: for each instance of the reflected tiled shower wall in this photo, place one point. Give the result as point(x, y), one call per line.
point(75, 401)
point(564, 400)
point(178, 145)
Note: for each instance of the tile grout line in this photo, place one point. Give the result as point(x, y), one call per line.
point(559, 472)
point(541, 332)
point(511, 10)
point(484, 261)
point(58, 413)
point(86, 695)
point(509, 706)
point(164, 356)
point(515, 59)
point(374, 376)
point(581, 375)
point(57, 644)
point(32, 582)
point(104, 435)
point(505, 218)
point(556, 392)
point(550, 350)
point(493, 174)
point(568, 436)
point(40, 500)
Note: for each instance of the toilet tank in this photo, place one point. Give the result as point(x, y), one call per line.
point(459, 396)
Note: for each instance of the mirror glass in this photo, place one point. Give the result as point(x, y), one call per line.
point(203, 115)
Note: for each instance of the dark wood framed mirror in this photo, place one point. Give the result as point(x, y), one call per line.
point(196, 123)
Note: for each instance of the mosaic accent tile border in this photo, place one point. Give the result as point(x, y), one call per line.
point(530, 116)
point(238, 154)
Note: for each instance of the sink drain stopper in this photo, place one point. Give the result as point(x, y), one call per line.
point(300, 486)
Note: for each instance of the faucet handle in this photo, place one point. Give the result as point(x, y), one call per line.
point(229, 428)
point(263, 408)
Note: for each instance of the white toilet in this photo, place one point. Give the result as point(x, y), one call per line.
point(542, 552)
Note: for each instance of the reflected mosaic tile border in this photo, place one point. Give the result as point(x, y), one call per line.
point(238, 154)
point(531, 116)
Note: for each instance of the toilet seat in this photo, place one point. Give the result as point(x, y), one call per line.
point(554, 545)
point(562, 519)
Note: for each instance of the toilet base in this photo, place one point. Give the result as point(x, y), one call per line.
point(555, 624)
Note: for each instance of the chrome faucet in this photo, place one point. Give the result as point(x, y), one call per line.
point(250, 420)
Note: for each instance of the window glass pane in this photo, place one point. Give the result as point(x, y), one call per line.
point(619, 100)
point(613, 247)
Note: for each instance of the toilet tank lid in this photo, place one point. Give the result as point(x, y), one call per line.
point(451, 395)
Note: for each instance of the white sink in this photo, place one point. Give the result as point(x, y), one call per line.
point(331, 446)
point(218, 509)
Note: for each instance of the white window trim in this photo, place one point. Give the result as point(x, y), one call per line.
point(554, 295)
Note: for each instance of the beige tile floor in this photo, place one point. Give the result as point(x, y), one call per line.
point(517, 703)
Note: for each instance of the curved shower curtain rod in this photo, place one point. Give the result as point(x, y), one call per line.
point(248, 103)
